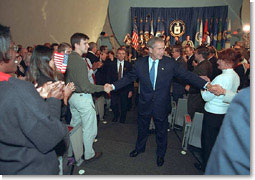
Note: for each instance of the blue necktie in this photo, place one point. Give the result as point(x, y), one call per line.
point(152, 74)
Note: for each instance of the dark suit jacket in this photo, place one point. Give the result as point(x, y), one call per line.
point(100, 76)
point(112, 76)
point(179, 84)
point(241, 73)
point(92, 57)
point(157, 103)
point(202, 69)
point(216, 71)
point(195, 100)
point(189, 63)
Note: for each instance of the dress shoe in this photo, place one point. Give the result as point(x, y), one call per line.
point(122, 121)
point(96, 156)
point(160, 161)
point(199, 167)
point(114, 120)
point(152, 131)
point(135, 153)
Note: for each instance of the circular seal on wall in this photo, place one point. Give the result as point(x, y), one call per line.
point(177, 28)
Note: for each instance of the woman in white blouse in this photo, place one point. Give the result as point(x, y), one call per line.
point(215, 107)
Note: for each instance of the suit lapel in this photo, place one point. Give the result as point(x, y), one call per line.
point(160, 69)
point(125, 67)
point(115, 67)
point(146, 71)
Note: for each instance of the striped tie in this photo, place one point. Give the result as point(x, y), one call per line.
point(120, 71)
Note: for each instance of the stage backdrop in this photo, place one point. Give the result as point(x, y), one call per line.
point(186, 20)
point(120, 14)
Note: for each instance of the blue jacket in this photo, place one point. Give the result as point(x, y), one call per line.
point(231, 153)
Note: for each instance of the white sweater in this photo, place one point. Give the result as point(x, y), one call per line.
point(228, 80)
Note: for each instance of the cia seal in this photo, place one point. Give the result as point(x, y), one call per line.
point(177, 28)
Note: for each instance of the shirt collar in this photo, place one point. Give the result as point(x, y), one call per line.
point(120, 61)
point(177, 58)
point(4, 76)
point(92, 52)
point(151, 60)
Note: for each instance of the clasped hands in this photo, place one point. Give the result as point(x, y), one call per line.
point(216, 89)
point(108, 88)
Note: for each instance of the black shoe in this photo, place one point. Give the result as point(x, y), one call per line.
point(134, 153)
point(199, 167)
point(152, 131)
point(114, 120)
point(160, 161)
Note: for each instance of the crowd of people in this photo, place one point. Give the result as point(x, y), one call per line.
point(45, 99)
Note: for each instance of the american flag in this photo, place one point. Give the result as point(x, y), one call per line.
point(61, 60)
point(135, 37)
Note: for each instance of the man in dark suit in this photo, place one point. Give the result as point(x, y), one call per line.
point(119, 98)
point(212, 58)
point(190, 56)
point(100, 77)
point(204, 68)
point(92, 53)
point(178, 83)
point(155, 73)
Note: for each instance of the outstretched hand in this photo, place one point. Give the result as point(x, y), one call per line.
point(108, 88)
point(205, 78)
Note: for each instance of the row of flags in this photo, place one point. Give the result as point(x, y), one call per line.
point(146, 31)
point(218, 34)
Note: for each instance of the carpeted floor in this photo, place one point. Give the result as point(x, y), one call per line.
point(117, 140)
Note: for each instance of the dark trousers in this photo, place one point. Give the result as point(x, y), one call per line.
point(176, 96)
point(210, 130)
point(161, 134)
point(195, 104)
point(119, 105)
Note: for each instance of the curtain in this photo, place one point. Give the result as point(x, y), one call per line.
point(189, 16)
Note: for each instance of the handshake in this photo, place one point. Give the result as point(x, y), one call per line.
point(108, 88)
point(216, 89)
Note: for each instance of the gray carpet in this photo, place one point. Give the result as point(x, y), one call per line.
point(117, 140)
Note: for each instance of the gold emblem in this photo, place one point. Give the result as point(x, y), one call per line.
point(177, 28)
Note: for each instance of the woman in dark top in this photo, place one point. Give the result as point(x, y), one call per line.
point(42, 70)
